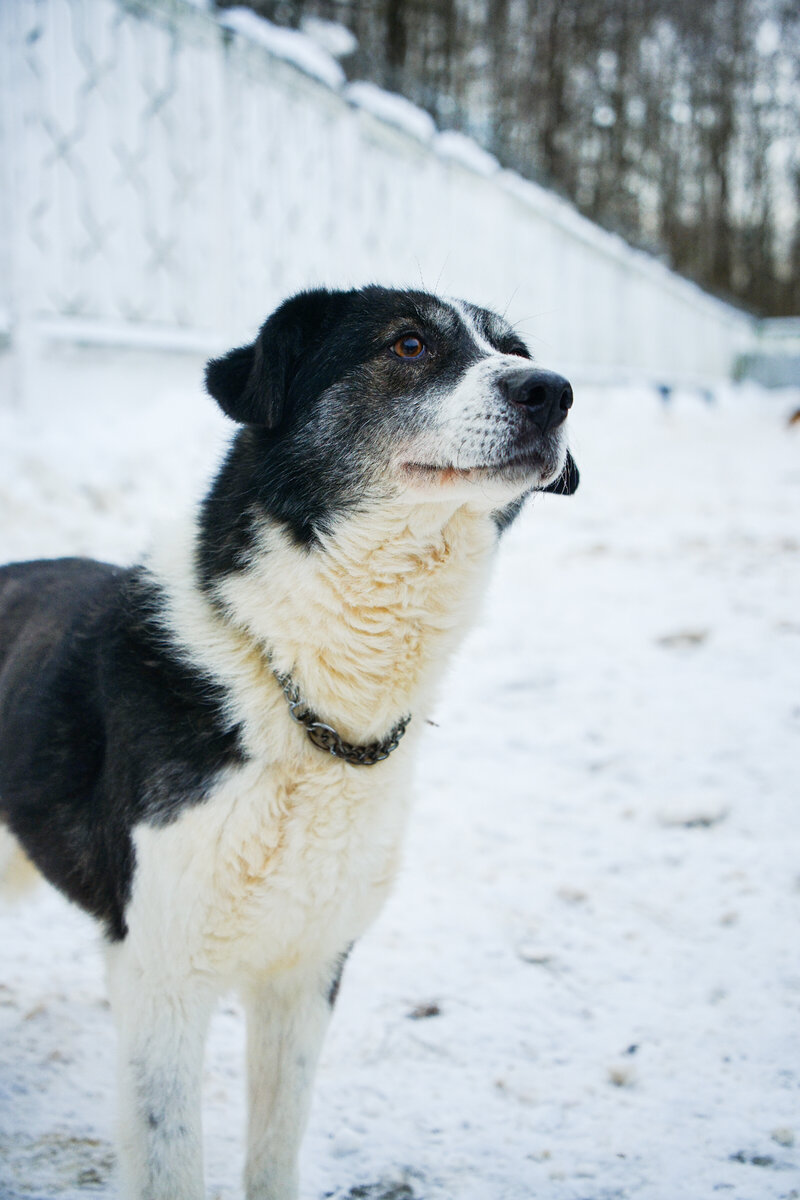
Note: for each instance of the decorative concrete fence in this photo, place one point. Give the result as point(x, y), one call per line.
point(169, 174)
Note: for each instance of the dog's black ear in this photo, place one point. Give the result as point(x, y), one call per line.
point(567, 482)
point(252, 384)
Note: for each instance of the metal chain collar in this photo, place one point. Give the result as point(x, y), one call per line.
point(326, 738)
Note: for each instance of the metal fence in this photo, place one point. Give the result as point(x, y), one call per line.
point(166, 181)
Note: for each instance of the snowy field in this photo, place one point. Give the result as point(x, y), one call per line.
point(586, 985)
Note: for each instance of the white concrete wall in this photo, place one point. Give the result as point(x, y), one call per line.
point(167, 180)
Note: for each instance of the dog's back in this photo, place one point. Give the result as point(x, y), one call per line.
point(47, 611)
point(51, 736)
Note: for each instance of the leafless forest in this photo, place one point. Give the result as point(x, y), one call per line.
point(672, 122)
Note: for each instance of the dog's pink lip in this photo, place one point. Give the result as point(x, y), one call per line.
point(448, 471)
point(437, 469)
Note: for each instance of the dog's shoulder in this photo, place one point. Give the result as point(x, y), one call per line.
point(169, 713)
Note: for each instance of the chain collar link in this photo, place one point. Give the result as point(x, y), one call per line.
point(327, 739)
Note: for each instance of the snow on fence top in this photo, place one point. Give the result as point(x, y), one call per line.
point(171, 173)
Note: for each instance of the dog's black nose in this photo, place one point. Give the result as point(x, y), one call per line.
point(545, 396)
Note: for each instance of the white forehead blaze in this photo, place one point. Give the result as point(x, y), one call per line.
point(468, 319)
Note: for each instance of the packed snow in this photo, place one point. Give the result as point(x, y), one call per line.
point(302, 51)
point(334, 37)
point(392, 109)
point(465, 150)
point(586, 984)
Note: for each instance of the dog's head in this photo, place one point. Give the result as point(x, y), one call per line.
point(381, 392)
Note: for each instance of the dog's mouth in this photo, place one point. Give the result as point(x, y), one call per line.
point(516, 467)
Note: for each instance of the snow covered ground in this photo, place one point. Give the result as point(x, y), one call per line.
point(586, 985)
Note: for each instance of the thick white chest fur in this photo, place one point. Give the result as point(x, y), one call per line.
point(280, 869)
point(291, 857)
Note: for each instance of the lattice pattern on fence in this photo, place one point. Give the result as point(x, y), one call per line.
point(164, 172)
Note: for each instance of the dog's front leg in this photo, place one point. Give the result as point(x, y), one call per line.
point(286, 1023)
point(161, 1026)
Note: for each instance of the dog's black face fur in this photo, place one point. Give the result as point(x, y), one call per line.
point(336, 413)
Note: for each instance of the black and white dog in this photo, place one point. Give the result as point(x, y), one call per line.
point(149, 763)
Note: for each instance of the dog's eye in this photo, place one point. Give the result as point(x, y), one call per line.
point(409, 346)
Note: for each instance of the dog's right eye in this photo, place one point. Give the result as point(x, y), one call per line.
point(410, 346)
point(517, 348)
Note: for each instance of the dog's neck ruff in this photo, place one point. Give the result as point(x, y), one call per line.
point(326, 738)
